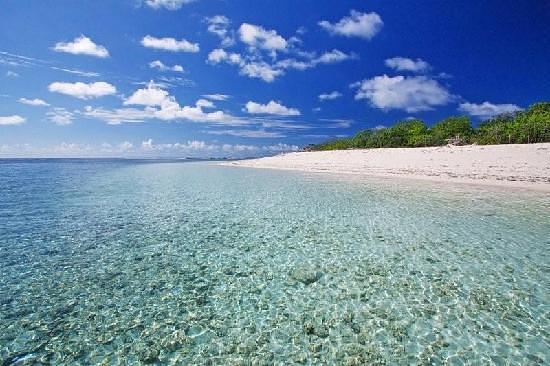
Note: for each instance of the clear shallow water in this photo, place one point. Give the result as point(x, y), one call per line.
point(113, 262)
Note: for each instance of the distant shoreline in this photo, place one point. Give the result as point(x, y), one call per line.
point(522, 166)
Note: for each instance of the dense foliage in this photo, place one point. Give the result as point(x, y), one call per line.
point(528, 126)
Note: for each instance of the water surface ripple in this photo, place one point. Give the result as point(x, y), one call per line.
point(122, 262)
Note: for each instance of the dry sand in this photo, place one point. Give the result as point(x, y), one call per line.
point(523, 166)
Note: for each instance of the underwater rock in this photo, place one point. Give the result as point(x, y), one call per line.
point(305, 275)
point(149, 356)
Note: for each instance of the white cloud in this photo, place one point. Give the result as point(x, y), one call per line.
point(203, 147)
point(82, 46)
point(167, 4)
point(170, 44)
point(76, 72)
point(411, 94)
point(263, 44)
point(12, 120)
point(337, 122)
point(253, 68)
point(247, 133)
point(330, 96)
point(125, 146)
point(487, 110)
point(204, 103)
point(157, 64)
point(151, 96)
point(12, 74)
point(220, 55)
point(261, 70)
point(219, 25)
point(173, 81)
point(147, 144)
point(83, 90)
point(291, 63)
point(60, 116)
point(11, 59)
point(272, 108)
point(407, 64)
point(330, 57)
point(280, 147)
point(357, 24)
point(147, 148)
point(23, 61)
point(217, 97)
point(34, 102)
point(118, 116)
point(258, 37)
point(159, 104)
point(333, 56)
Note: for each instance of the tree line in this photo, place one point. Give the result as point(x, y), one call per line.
point(528, 126)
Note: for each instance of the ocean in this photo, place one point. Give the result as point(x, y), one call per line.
point(192, 263)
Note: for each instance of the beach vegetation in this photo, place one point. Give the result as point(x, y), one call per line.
point(528, 126)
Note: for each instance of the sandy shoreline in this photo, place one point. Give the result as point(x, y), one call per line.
point(521, 166)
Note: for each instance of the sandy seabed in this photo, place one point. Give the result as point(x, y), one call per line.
point(523, 166)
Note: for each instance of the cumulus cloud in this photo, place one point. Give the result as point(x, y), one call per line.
point(330, 96)
point(257, 37)
point(253, 69)
point(412, 94)
point(220, 55)
point(261, 70)
point(407, 64)
point(210, 149)
point(488, 110)
point(357, 24)
point(330, 57)
point(12, 74)
point(83, 90)
point(169, 44)
point(82, 46)
point(151, 96)
point(60, 116)
point(12, 120)
point(167, 4)
point(147, 148)
point(272, 108)
point(159, 65)
point(204, 103)
point(159, 104)
point(125, 146)
point(269, 72)
point(260, 56)
point(34, 102)
point(219, 25)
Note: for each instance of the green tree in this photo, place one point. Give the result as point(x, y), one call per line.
point(533, 124)
point(363, 139)
point(498, 130)
point(451, 127)
point(529, 126)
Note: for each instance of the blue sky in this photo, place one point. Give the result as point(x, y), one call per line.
point(244, 78)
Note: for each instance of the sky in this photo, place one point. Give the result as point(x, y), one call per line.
point(235, 78)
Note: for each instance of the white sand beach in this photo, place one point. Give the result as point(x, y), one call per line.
point(524, 166)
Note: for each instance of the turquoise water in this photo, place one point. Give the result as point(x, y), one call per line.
point(127, 262)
